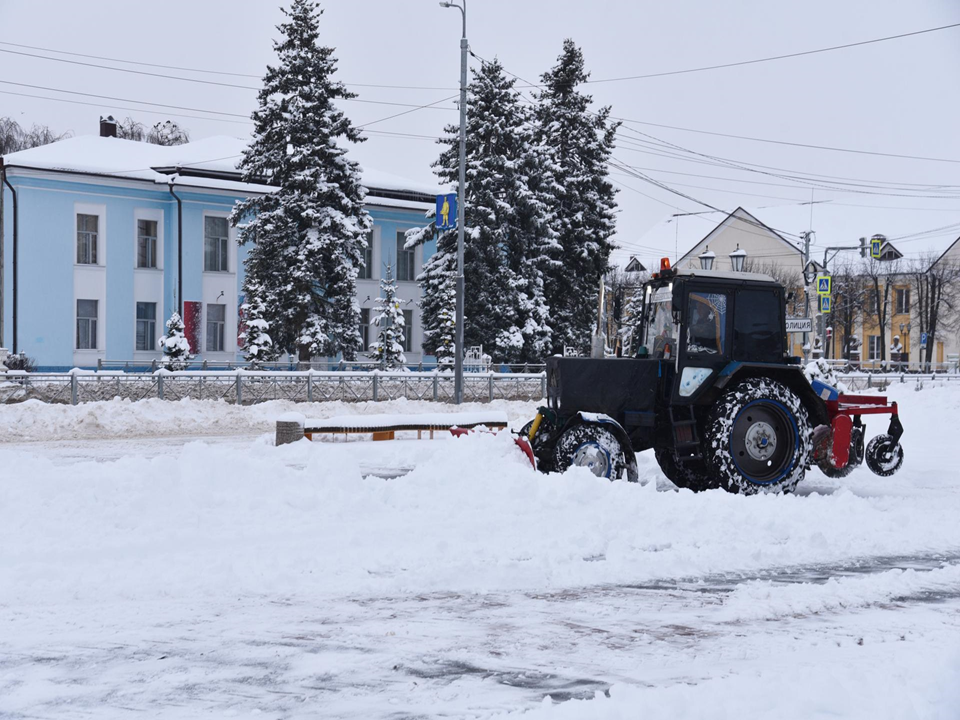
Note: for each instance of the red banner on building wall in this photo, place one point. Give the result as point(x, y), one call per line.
point(192, 318)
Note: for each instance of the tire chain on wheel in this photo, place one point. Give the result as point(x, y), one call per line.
point(579, 434)
point(720, 425)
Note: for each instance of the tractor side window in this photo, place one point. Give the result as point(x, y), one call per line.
point(659, 327)
point(706, 323)
point(757, 326)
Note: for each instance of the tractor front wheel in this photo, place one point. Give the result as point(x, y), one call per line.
point(688, 476)
point(593, 447)
point(758, 438)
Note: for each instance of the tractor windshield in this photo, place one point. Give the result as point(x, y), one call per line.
point(659, 329)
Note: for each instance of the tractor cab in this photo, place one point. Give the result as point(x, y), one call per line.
point(704, 320)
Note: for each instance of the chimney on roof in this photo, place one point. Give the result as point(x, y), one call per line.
point(108, 126)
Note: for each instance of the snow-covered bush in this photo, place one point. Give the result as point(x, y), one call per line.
point(174, 344)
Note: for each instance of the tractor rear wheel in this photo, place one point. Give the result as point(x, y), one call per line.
point(758, 438)
point(690, 477)
point(594, 447)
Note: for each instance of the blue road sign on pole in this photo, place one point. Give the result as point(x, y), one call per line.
point(446, 211)
point(875, 245)
point(923, 340)
point(823, 284)
point(824, 304)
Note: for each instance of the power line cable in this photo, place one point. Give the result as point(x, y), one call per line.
point(182, 69)
point(775, 57)
point(121, 107)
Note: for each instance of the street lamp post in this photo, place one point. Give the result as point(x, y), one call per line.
point(458, 356)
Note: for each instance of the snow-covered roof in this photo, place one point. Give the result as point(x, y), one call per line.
point(840, 222)
point(114, 157)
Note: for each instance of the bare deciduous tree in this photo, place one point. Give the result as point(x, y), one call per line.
point(878, 276)
point(849, 297)
point(14, 137)
point(163, 133)
point(936, 298)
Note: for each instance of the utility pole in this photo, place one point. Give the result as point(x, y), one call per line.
point(458, 357)
point(806, 292)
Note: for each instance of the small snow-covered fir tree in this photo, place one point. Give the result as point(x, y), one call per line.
point(579, 142)
point(388, 349)
point(257, 345)
point(174, 344)
point(445, 335)
point(308, 236)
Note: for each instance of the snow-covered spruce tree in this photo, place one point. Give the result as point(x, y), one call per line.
point(446, 335)
point(174, 344)
point(257, 345)
point(308, 237)
point(580, 142)
point(388, 349)
point(508, 233)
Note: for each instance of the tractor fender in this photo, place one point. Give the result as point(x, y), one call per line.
point(589, 418)
point(790, 375)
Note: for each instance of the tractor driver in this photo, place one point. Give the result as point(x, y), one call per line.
point(702, 333)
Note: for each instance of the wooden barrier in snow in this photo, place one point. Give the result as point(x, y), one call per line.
point(293, 426)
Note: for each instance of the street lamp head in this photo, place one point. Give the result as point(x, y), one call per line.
point(737, 258)
point(706, 259)
point(445, 4)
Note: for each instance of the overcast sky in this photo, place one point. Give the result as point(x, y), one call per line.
point(897, 97)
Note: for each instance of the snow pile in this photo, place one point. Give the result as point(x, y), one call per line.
point(765, 600)
point(36, 420)
point(471, 516)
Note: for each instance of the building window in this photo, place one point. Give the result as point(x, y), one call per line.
point(903, 301)
point(146, 243)
point(364, 328)
point(405, 260)
point(216, 321)
point(407, 330)
point(87, 324)
point(146, 326)
point(216, 241)
point(88, 230)
point(366, 270)
point(873, 347)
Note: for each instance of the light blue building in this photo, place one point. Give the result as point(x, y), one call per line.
point(101, 237)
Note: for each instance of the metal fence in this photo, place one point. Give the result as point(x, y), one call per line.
point(291, 365)
point(250, 387)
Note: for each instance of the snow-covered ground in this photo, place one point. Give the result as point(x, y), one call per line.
point(149, 571)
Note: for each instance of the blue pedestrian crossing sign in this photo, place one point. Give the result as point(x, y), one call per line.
point(446, 211)
point(823, 284)
point(875, 244)
point(825, 304)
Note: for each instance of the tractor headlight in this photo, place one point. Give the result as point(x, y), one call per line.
point(691, 378)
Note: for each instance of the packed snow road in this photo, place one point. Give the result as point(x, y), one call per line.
point(178, 576)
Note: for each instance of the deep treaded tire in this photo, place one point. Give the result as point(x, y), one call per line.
point(683, 475)
point(758, 438)
point(594, 447)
